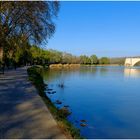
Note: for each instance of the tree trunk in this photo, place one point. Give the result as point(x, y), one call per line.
point(1, 54)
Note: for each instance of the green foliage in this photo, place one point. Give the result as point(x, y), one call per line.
point(104, 60)
point(22, 23)
point(42, 56)
point(32, 54)
point(55, 56)
point(85, 59)
point(94, 59)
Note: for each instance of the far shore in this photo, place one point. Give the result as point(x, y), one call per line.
point(103, 65)
point(53, 66)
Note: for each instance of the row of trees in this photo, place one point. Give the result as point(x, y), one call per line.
point(41, 56)
point(31, 54)
point(35, 55)
point(93, 59)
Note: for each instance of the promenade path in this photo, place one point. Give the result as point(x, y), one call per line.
point(23, 114)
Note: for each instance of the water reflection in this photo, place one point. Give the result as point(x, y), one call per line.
point(101, 96)
point(132, 72)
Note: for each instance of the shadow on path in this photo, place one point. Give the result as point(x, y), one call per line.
point(22, 112)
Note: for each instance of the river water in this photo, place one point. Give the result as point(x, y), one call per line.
point(107, 98)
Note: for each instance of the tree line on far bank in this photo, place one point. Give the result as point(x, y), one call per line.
point(93, 60)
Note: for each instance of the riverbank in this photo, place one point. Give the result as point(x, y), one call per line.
point(23, 114)
point(59, 115)
point(75, 66)
point(65, 66)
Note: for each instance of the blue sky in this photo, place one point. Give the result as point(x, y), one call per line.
point(103, 28)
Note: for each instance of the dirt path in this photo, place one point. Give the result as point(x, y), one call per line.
point(22, 112)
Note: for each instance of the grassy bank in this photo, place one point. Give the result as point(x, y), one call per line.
point(36, 78)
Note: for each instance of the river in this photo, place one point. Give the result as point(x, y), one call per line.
point(106, 98)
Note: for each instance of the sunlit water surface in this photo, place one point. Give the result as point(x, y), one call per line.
point(108, 98)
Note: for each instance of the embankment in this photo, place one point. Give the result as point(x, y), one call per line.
point(36, 78)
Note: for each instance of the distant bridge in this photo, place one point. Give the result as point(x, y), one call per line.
point(130, 62)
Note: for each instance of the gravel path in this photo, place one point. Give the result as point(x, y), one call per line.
point(23, 114)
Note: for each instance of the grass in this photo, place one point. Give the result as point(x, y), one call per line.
point(69, 130)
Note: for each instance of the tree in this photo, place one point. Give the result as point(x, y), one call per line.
point(32, 19)
point(29, 20)
point(94, 59)
point(56, 56)
point(66, 58)
point(85, 59)
point(36, 54)
point(104, 60)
